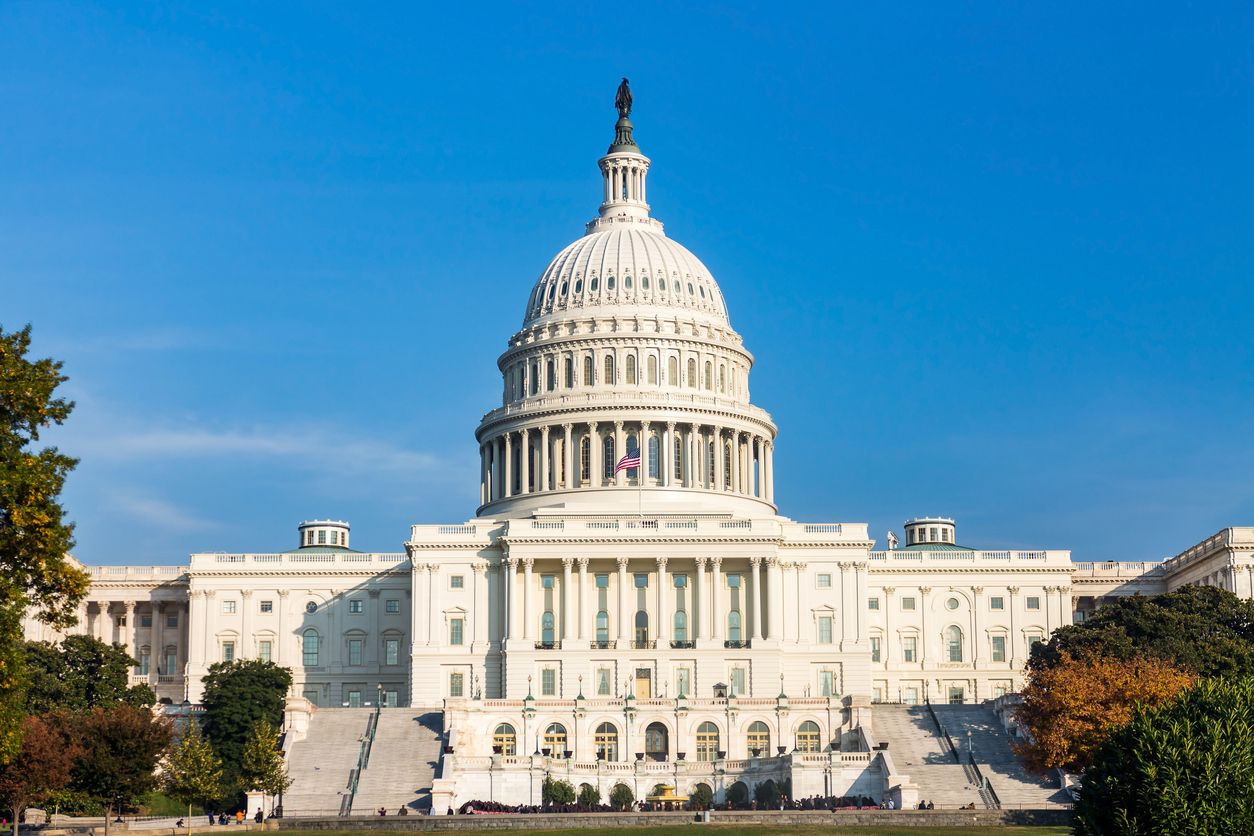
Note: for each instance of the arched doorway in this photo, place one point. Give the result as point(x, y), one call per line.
point(656, 742)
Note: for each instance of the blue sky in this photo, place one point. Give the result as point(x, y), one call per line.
point(994, 260)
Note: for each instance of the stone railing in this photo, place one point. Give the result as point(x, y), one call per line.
point(221, 561)
point(906, 557)
point(1243, 536)
point(617, 397)
point(138, 573)
point(1119, 569)
point(617, 704)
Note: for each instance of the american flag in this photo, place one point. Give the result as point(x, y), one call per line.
point(629, 462)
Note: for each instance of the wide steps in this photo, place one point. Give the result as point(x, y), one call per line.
point(918, 751)
point(321, 765)
point(403, 760)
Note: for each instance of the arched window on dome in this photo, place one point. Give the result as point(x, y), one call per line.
point(587, 370)
point(722, 379)
point(672, 371)
point(677, 289)
point(608, 460)
point(578, 286)
point(626, 282)
point(562, 292)
point(652, 370)
point(551, 375)
point(609, 370)
point(690, 293)
point(644, 282)
point(709, 375)
point(702, 289)
point(535, 377)
point(609, 283)
point(570, 373)
point(593, 285)
point(692, 373)
point(653, 456)
point(585, 460)
point(552, 290)
point(631, 368)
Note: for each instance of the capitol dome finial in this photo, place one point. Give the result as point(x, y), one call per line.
point(622, 128)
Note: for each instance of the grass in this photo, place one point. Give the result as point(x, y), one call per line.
point(756, 830)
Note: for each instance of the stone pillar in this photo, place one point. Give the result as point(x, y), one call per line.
point(775, 589)
point(719, 479)
point(924, 591)
point(977, 638)
point(196, 608)
point(663, 631)
point(736, 461)
point(130, 635)
point(568, 460)
point(480, 635)
point(848, 599)
point(509, 575)
point(702, 608)
point(594, 455)
point(280, 656)
point(624, 622)
point(376, 628)
point(769, 470)
point(524, 463)
point(668, 454)
point(582, 621)
point(509, 465)
point(691, 471)
point(1013, 595)
point(756, 564)
point(567, 612)
point(418, 619)
point(859, 603)
point(529, 610)
point(620, 476)
point(642, 472)
point(717, 616)
point(890, 641)
point(246, 625)
point(156, 656)
point(483, 474)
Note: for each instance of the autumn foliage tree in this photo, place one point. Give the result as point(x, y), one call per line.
point(1072, 707)
point(41, 767)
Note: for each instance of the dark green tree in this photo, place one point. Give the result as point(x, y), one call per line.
point(80, 673)
point(589, 796)
point(121, 747)
point(621, 797)
point(1202, 629)
point(1186, 766)
point(702, 797)
point(35, 539)
point(238, 696)
point(557, 791)
point(767, 795)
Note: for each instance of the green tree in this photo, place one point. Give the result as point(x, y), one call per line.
point(193, 773)
point(767, 795)
point(556, 791)
point(1202, 629)
point(589, 796)
point(621, 797)
point(262, 766)
point(81, 673)
point(1186, 766)
point(238, 696)
point(35, 539)
point(702, 797)
point(41, 768)
point(121, 748)
point(738, 794)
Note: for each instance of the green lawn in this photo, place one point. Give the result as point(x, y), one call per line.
point(754, 830)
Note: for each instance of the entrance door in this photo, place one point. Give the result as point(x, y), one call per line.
point(644, 683)
point(957, 695)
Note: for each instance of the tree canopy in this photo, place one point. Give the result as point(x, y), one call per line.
point(1202, 629)
point(80, 673)
point(121, 747)
point(1074, 706)
point(1186, 766)
point(35, 539)
point(262, 766)
point(41, 767)
point(193, 773)
point(239, 695)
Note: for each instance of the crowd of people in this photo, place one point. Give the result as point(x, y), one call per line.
point(831, 803)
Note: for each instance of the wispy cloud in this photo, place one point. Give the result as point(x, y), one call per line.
point(159, 513)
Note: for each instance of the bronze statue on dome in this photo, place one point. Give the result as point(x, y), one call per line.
point(622, 100)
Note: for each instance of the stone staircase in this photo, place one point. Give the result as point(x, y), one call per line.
point(321, 765)
point(403, 759)
point(919, 752)
point(1014, 785)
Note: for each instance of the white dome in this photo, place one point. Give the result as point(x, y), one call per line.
point(624, 266)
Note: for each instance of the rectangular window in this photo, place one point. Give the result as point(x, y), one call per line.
point(641, 581)
point(456, 627)
point(1034, 603)
point(603, 682)
point(228, 607)
point(143, 664)
point(738, 682)
point(354, 651)
point(873, 603)
point(171, 663)
point(907, 603)
point(603, 581)
point(875, 648)
point(172, 620)
point(996, 602)
point(680, 581)
point(683, 681)
point(457, 582)
point(393, 606)
point(228, 651)
point(548, 581)
point(355, 606)
point(145, 621)
point(548, 683)
point(391, 698)
point(825, 581)
point(322, 538)
point(825, 629)
point(263, 651)
point(1034, 639)
point(999, 648)
point(827, 684)
point(456, 684)
point(267, 606)
point(354, 697)
point(909, 648)
point(391, 651)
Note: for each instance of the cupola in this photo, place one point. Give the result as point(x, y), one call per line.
point(922, 530)
point(315, 533)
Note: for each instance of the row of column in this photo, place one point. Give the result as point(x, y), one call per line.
point(627, 177)
point(578, 602)
point(121, 626)
point(556, 458)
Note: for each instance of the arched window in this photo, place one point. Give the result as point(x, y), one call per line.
point(953, 643)
point(570, 373)
point(733, 626)
point(505, 738)
point(608, 460)
point(555, 738)
point(644, 282)
point(578, 286)
point(681, 626)
point(631, 368)
point(655, 742)
point(606, 742)
point(626, 282)
point(551, 376)
point(679, 458)
point(709, 375)
point(642, 628)
point(609, 283)
point(585, 460)
point(677, 289)
point(672, 371)
point(309, 647)
point(546, 628)
point(722, 378)
point(692, 373)
point(652, 370)
point(808, 737)
point(592, 286)
point(727, 467)
point(654, 466)
point(535, 378)
point(759, 740)
point(587, 371)
point(609, 370)
point(603, 627)
point(710, 453)
point(707, 741)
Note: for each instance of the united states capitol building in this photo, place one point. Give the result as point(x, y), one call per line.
point(656, 622)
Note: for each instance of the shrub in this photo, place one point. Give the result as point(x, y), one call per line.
point(555, 791)
point(589, 796)
point(738, 794)
point(701, 797)
point(766, 794)
point(621, 797)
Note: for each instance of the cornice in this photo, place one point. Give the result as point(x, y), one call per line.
point(558, 414)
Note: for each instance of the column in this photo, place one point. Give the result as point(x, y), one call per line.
point(1014, 633)
point(568, 460)
point(736, 461)
point(567, 612)
point(483, 474)
point(1049, 611)
point(642, 473)
point(691, 471)
point(623, 621)
point(185, 634)
point(246, 625)
point(528, 600)
point(663, 631)
point(668, 453)
point(545, 455)
point(859, 603)
point(890, 641)
point(620, 449)
point(798, 571)
point(698, 630)
point(1066, 607)
point(977, 638)
point(924, 591)
point(524, 464)
point(775, 588)
point(203, 626)
point(848, 602)
point(581, 624)
point(130, 636)
point(279, 656)
point(376, 628)
point(719, 479)
point(195, 609)
point(769, 468)
point(157, 656)
point(756, 564)
point(480, 636)
point(420, 582)
point(508, 572)
point(509, 465)
point(594, 455)
point(716, 611)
